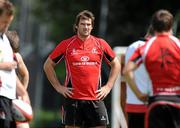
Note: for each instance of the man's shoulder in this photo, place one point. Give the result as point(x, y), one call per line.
point(69, 39)
point(136, 44)
point(99, 39)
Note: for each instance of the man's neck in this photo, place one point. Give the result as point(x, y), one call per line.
point(164, 33)
point(83, 38)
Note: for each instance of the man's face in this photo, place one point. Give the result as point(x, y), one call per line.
point(84, 27)
point(5, 21)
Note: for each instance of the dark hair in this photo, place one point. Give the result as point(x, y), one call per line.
point(83, 15)
point(6, 7)
point(150, 32)
point(162, 20)
point(13, 39)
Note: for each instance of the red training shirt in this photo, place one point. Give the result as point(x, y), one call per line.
point(83, 64)
point(161, 55)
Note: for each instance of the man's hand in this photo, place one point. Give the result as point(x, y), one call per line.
point(143, 97)
point(8, 66)
point(103, 92)
point(65, 91)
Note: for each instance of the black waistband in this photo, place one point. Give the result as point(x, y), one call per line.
point(170, 98)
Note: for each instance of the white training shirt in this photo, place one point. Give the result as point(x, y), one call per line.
point(7, 78)
point(140, 75)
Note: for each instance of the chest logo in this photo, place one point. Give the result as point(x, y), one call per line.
point(94, 50)
point(73, 51)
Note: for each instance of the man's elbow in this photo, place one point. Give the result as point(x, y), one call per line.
point(125, 71)
point(129, 68)
point(116, 64)
point(46, 65)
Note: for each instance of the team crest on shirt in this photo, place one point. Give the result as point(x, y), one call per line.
point(73, 51)
point(94, 51)
point(84, 60)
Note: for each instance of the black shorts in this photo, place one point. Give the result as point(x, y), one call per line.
point(163, 112)
point(136, 120)
point(85, 113)
point(6, 116)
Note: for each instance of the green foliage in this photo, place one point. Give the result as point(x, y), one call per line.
point(60, 15)
point(61, 71)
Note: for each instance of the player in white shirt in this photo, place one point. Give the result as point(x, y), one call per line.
point(7, 68)
point(135, 108)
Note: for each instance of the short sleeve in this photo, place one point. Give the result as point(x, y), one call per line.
point(58, 53)
point(109, 54)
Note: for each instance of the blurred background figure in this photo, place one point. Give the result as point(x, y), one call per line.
point(7, 67)
point(161, 58)
point(21, 70)
point(135, 108)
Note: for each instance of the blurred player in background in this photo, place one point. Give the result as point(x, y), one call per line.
point(21, 70)
point(161, 56)
point(8, 65)
point(135, 108)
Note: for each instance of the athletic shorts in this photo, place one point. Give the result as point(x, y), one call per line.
point(85, 113)
point(136, 120)
point(6, 116)
point(163, 112)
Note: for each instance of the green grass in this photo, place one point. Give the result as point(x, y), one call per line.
point(46, 119)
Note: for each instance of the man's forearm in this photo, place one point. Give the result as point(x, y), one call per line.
point(115, 71)
point(51, 74)
point(8, 65)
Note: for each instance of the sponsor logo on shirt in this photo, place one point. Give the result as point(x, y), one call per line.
point(84, 63)
point(84, 60)
point(171, 89)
